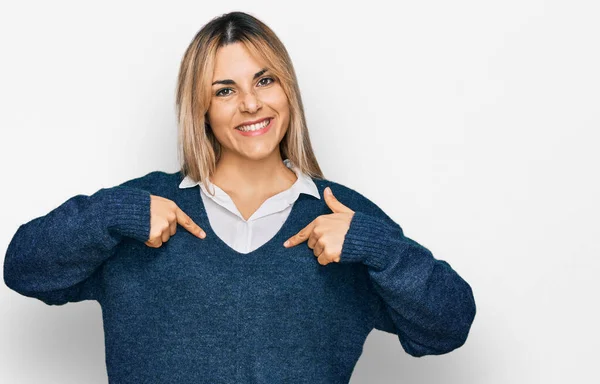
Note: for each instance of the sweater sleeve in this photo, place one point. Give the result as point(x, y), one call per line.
point(419, 298)
point(56, 258)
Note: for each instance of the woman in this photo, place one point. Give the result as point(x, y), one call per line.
point(225, 300)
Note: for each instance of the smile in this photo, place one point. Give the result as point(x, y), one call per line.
point(255, 129)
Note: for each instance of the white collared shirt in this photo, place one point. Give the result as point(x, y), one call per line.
point(245, 236)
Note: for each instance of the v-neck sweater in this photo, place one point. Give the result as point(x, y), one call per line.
point(245, 235)
point(197, 311)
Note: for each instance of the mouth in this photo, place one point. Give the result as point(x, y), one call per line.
point(258, 128)
point(255, 126)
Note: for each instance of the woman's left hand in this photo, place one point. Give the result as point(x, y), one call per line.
point(326, 233)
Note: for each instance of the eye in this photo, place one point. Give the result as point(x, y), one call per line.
point(266, 78)
point(221, 90)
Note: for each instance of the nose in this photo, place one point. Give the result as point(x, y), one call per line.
point(249, 102)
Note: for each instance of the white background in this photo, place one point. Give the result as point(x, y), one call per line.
point(473, 124)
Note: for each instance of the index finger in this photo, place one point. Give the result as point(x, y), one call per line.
point(186, 222)
point(301, 236)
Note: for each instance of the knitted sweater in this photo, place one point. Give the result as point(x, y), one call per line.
point(197, 311)
point(245, 235)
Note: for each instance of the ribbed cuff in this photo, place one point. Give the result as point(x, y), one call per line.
point(368, 241)
point(128, 211)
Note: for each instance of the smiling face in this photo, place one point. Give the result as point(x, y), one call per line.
point(244, 92)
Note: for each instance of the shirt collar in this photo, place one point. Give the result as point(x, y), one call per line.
point(304, 184)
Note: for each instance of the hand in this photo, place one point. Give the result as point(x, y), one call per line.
point(326, 233)
point(164, 216)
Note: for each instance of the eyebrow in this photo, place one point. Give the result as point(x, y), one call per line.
point(231, 82)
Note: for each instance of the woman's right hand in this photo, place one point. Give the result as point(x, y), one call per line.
point(164, 217)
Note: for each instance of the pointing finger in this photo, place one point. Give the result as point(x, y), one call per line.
point(301, 236)
point(186, 222)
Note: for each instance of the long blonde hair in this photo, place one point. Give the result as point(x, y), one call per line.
point(199, 150)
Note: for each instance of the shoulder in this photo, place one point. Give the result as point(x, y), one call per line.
point(155, 182)
point(353, 199)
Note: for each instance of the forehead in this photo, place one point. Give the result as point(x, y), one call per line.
point(235, 61)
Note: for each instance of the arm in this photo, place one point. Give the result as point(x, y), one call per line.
point(55, 258)
point(421, 299)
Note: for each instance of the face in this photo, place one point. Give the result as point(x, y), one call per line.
point(242, 94)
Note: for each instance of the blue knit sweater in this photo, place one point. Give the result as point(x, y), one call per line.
point(197, 311)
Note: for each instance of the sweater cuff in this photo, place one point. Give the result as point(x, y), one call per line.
point(128, 211)
point(368, 241)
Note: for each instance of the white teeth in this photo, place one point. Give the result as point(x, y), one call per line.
point(254, 127)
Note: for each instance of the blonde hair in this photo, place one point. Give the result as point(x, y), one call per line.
point(199, 150)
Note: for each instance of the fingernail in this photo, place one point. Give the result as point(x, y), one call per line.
point(327, 190)
point(202, 234)
point(287, 242)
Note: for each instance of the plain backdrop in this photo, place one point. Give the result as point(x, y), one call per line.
point(473, 124)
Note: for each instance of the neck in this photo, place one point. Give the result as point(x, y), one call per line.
point(249, 178)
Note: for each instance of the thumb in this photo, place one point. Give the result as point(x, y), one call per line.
point(334, 204)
